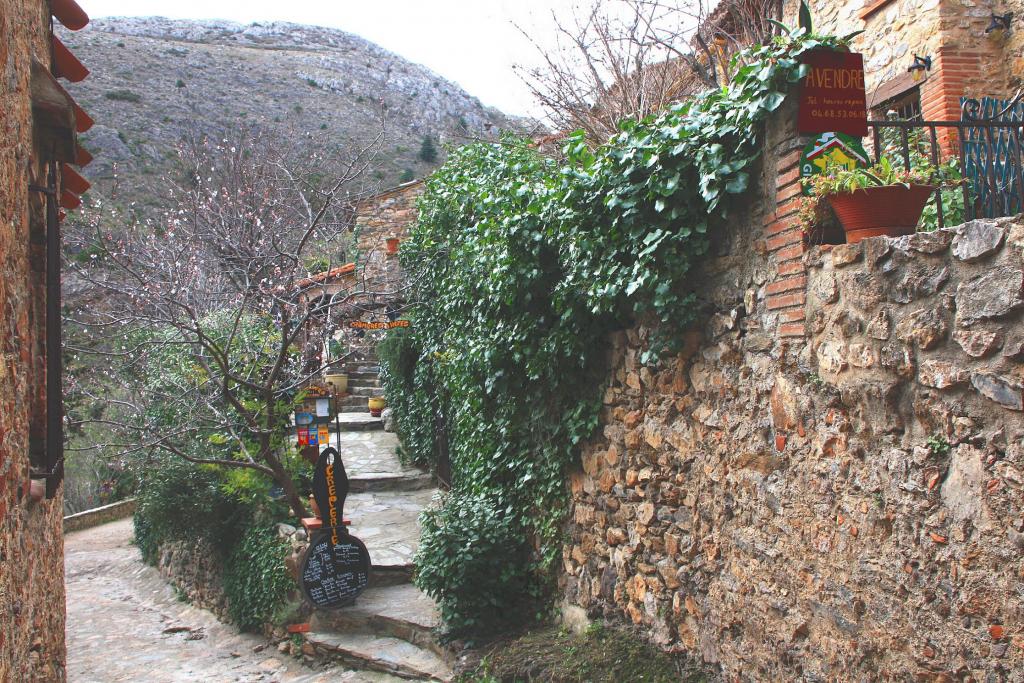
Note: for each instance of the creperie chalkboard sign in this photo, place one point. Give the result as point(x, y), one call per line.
point(832, 97)
point(336, 566)
point(335, 569)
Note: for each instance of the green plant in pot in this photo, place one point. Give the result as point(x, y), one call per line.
point(881, 200)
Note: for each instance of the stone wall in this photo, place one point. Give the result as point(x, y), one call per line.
point(101, 515)
point(195, 571)
point(388, 214)
point(31, 543)
point(826, 483)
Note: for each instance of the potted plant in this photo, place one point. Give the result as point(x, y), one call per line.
point(881, 200)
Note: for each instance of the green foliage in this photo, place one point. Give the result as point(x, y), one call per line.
point(178, 500)
point(410, 390)
point(598, 655)
point(523, 266)
point(123, 96)
point(938, 445)
point(179, 83)
point(256, 581)
point(428, 152)
point(407, 176)
point(486, 584)
point(841, 180)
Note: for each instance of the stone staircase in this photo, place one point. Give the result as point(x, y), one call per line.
point(363, 382)
point(390, 629)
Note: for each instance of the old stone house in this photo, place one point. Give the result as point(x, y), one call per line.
point(37, 150)
point(361, 297)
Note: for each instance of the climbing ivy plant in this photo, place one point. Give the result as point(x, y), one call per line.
point(521, 267)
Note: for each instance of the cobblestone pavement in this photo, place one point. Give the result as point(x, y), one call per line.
point(126, 624)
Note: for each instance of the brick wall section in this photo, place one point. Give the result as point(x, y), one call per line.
point(785, 292)
point(31, 542)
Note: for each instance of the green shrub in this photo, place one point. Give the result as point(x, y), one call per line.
point(428, 152)
point(123, 96)
point(180, 501)
point(179, 83)
point(411, 391)
point(407, 176)
point(523, 266)
point(483, 585)
point(256, 581)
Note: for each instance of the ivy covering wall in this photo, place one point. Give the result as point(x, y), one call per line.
point(521, 266)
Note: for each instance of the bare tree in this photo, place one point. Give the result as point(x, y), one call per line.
point(622, 59)
point(203, 317)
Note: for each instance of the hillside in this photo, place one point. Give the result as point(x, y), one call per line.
point(153, 80)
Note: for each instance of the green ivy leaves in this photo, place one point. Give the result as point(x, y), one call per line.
point(521, 267)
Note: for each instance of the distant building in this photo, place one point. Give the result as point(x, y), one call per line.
point(37, 148)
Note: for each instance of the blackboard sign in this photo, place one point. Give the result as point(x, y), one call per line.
point(335, 569)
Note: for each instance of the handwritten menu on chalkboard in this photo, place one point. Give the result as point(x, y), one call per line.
point(334, 574)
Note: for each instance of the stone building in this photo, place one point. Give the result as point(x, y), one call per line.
point(37, 146)
point(971, 54)
point(369, 292)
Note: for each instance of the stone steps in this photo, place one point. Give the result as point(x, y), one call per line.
point(399, 611)
point(381, 653)
point(357, 421)
point(391, 626)
point(384, 481)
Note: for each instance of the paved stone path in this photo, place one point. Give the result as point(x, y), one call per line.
point(125, 624)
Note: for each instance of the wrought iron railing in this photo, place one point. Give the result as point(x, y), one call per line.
point(988, 144)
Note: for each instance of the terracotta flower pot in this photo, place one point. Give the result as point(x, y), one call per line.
point(338, 382)
point(376, 405)
point(392, 244)
point(890, 210)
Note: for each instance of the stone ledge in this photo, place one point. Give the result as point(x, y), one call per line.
point(100, 515)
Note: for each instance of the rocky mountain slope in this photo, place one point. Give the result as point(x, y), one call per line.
point(154, 80)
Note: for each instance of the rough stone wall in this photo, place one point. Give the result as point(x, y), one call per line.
point(388, 214)
point(768, 498)
point(196, 574)
point(31, 543)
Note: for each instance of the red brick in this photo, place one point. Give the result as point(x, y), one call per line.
point(792, 330)
point(792, 252)
point(787, 208)
point(792, 315)
point(789, 161)
point(787, 285)
point(791, 267)
point(785, 239)
point(787, 177)
point(787, 192)
point(782, 225)
point(786, 300)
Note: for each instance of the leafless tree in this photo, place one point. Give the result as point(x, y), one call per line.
point(621, 59)
point(202, 319)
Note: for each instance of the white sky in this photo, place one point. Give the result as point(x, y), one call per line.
point(471, 42)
